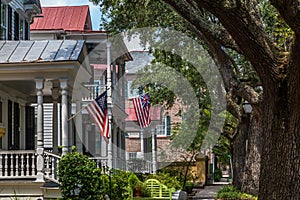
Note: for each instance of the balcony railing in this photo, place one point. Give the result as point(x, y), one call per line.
point(102, 163)
point(95, 90)
point(17, 164)
point(139, 166)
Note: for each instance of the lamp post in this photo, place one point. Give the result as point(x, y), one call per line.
point(247, 109)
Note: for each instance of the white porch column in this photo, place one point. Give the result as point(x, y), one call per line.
point(120, 145)
point(64, 116)
point(109, 106)
point(114, 150)
point(78, 121)
point(154, 161)
point(40, 135)
point(142, 143)
point(55, 94)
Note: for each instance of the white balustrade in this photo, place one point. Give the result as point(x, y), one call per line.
point(101, 162)
point(13, 165)
point(139, 166)
point(51, 166)
point(95, 90)
point(21, 164)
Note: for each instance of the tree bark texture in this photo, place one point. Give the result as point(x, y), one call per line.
point(279, 106)
point(246, 154)
point(250, 180)
point(280, 162)
point(239, 154)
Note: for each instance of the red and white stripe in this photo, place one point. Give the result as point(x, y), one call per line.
point(142, 113)
point(99, 117)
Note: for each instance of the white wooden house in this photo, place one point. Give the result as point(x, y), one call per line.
point(48, 76)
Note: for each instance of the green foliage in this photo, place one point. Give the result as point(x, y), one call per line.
point(231, 193)
point(217, 174)
point(79, 177)
point(120, 186)
point(189, 187)
point(167, 179)
point(222, 150)
point(279, 32)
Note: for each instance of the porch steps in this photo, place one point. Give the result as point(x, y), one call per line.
point(28, 189)
point(51, 190)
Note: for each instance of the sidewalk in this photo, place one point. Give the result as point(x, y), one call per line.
point(209, 192)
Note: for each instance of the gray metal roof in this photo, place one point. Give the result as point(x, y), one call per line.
point(40, 51)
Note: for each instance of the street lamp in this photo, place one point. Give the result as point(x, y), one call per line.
point(247, 107)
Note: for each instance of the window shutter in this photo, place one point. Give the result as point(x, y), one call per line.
point(26, 31)
point(9, 124)
point(30, 128)
point(16, 126)
point(9, 25)
point(16, 26)
point(0, 13)
point(168, 125)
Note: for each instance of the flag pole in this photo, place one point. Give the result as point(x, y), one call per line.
point(109, 105)
point(79, 111)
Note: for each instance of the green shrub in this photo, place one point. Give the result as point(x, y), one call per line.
point(189, 187)
point(217, 174)
point(79, 177)
point(120, 186)
point(167, 179)
point(231, 193)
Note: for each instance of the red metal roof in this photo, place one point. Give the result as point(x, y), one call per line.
point(68, 18)
point(155, 113)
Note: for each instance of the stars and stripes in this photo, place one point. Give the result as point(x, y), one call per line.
point(142, 109)
point(97, 109)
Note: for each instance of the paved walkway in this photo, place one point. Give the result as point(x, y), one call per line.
point(208, 192)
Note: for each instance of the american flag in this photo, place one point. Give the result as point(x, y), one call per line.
point(97, 110)
point(141, 106)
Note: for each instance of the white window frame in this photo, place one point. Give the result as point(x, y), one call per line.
point(5, 25)
point(132, 93)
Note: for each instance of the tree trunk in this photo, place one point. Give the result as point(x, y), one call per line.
point(239, 154)
point(253, 146)
point(246, 154)
point(280, 160)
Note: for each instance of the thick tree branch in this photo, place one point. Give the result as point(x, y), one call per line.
point(224, 62)
point(290, 12)
point(243, 22)
point(194, 16)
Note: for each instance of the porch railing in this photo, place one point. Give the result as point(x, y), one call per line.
point(51, 166)
point(102, 163)
point(16, 164)
point(95, 90)
point(139, 166)
point(21, 164)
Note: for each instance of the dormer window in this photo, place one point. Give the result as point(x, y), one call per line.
point(3, 16)
point(13, 23)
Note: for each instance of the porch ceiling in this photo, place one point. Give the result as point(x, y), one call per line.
point(26, 89)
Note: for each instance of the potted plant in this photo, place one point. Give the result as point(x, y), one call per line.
point(136, 185)
point(189, 187)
